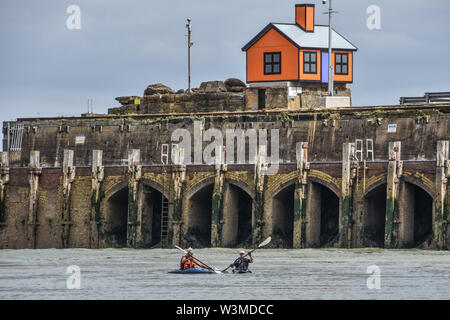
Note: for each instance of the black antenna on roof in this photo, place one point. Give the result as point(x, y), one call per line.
point(190, 44)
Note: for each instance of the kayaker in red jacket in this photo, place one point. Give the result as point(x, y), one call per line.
point(188, 261)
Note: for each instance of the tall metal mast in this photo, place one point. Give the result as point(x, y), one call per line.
point(330, 49)
point(190, 44)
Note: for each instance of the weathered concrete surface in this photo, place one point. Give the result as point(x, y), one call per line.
point(222, 199)
point(34, 171)
point(395, 170)
point(97, 176)
point(441, 200)
point(300, 196)
point(68, 178)
point(103, 194)
point(4, 180)
point(348, 176)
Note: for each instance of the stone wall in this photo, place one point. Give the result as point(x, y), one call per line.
point(49, 201)
point(277, 95)
point(231, 95)
point(325, 131)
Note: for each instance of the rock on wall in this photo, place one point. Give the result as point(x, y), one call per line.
point(160, 99)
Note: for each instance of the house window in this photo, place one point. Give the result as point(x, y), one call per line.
point(310, 62)
point(341, 63)
point(272, 63)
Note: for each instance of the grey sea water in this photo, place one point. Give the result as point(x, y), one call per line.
point(277, 274)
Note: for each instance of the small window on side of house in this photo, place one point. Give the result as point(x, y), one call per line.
point(310, 62)
point(341, 63)
point(272, 63)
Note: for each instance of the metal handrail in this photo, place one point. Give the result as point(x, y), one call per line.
point(429, 97)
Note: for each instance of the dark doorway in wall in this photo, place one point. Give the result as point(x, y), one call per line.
point(116, 214)
point(261, 99)
point(283, 217)
point(117, 219)
point(322, 216)
point(329, 217)
point(236, 216)
point(156, 218)
point(423, 215)
point(375, 217)
point(416, 213)
point(152, 217)
point(199, 225)
point(245, 217)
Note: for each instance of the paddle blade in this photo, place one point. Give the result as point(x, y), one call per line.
point(181, 249)
point(265, 242)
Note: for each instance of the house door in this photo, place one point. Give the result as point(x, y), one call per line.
point(261, 99)
point(324, 67)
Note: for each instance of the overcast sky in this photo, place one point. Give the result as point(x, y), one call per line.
point(123, 46)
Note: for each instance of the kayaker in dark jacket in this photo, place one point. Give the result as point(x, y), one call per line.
point(241, 263)
point(188, 261)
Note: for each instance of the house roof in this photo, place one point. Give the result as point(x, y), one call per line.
point(301, 39)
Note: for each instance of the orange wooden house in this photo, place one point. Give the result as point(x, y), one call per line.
point(298, 52)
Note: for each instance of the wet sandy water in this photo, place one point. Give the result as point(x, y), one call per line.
point(277, 274)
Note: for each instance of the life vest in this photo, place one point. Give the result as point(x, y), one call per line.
point(188, 264)
point(241, 264)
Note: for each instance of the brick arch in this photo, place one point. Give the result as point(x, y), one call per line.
point(331, 186)
point(197, 213)
point(114, 210)
point(208, 181)
point(326, 180)
point(245, 181)
point(116, 188)
point(157, 186)
point(195, 183)
point(314, 177)
point(242, 185)
point(279, 210)
point(114, 213)
point(124, 184)
point(377, 182)
point(199, 186)
point(422, 182)
point(273, 187)
point(282, 187)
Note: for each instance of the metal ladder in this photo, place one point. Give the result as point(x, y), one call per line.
point(164, 221)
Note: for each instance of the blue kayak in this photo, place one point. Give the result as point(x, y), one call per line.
point(191, 271)
point(241, 271)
